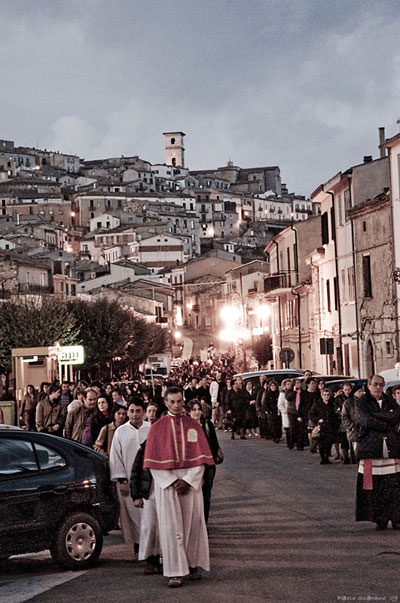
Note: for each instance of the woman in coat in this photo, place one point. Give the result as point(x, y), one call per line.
point(103, 443)
point(282, 407)
point(28, 408)
point(271, 406)
point(196, 413)
point(323, 414)
point(296, 429)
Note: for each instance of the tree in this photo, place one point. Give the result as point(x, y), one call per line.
point(105, 330)
point(114, 338)
point(262, 349)
point(147, 339)
point(34, 322)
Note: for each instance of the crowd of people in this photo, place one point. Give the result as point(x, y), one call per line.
point(160, 436)
point(164, 497)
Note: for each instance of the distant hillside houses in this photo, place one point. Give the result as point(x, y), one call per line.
point(106, 212)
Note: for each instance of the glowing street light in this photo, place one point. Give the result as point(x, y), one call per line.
point(230, 314)
point(263, 311)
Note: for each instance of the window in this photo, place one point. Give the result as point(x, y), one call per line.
point(344, 292)
point(350, 281)
point(328, 296)
point(364, 226)
point(324, 228)
point(366, 267)
point(347, 201)
point(17, 458)
point(333, 226)
point(389, 351)
point(336, 292)
point(340, 208)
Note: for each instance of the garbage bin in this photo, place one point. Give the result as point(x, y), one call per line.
point(8, 408)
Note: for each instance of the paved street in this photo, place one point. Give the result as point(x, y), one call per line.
point(282, 529)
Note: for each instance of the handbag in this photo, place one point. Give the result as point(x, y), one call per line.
point(219, 457)
point(229, 421)
point(316, 432)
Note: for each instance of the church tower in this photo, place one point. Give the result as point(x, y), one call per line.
point(174, 149)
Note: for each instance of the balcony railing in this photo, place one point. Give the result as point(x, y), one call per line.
point(277, 281)
point(34, 289)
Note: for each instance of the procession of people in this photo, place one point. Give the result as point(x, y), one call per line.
point(161, 440)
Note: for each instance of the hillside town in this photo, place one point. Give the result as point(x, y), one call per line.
point(180, 247)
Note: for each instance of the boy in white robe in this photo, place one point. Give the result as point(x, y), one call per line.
point(126, 443)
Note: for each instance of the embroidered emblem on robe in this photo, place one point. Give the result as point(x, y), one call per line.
point(192, 435)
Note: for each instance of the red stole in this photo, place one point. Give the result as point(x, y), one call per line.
point(176, 442)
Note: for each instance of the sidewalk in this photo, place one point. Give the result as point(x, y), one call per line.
point(187, 347)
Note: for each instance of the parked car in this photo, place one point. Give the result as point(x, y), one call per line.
point(54, 494)
point(389, 387)
point(279, 375)
point(338, 381)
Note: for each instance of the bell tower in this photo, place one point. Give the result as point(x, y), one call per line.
point(174, 149)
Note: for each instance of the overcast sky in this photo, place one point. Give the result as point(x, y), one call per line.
point(302, 84)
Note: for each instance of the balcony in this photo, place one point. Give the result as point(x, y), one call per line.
point(277, 281)
point(34, 289)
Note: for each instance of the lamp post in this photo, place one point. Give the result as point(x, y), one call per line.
point(235, 331)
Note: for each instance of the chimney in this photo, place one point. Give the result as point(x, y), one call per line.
point(382, 142)
point(367, 158)
point(398, 125)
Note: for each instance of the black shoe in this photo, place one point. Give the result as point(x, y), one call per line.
point(346, 461)
point(243, 438)
point(322, 462)
point(232, 437)
point(381, 525)
point(395, 526)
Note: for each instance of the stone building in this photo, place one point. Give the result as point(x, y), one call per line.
point(287, 290)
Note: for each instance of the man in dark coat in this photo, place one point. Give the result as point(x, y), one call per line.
point(237, 407)
point(378, 483)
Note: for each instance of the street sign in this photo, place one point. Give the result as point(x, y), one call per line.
point(71, 354)
point(286, 355)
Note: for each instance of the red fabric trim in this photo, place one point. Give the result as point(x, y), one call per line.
point(367, 477)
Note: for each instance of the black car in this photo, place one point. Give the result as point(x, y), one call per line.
point(54, 494)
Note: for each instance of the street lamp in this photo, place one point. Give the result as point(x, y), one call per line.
point(235, 330)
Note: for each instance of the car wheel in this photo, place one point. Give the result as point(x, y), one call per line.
point(78, 542)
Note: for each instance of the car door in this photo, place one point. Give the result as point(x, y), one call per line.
point(18, 496)
point(33, 486)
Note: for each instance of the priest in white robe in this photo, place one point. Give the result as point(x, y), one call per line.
point(176, 452)
point(125, 445)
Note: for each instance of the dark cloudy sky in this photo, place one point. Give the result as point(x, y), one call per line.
point(302, 84)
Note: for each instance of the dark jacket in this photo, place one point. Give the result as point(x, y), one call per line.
point(271, 401)
point(327, 413)
point(141, 479)
point(306, 401)
point(211, 436)
point(377, 425)
point(237, 403)
point(350, 420)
